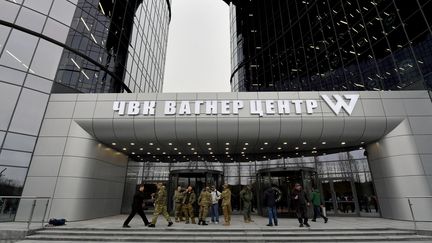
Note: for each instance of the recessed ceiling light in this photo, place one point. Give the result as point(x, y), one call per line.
point(151, 144)
point(226, 148)
point(361, 148)
point(169, 144)
point(179, 152)
point(175, 148)
point(195, 153)
point(124, 149)
point(244, 148)
point(148, 153)
point(114, 144)
point(296, 153)
point(208, 143)
point(192, 149)
point(242, 152)
point(141, 149)
point(163, 152)
point(227, 143)
point(279, 148)
point(226, 152)
point(211, 152)
point(262, 148)
point(343, 143)
point(246, 144)
point(209, 148)
point(189, 144)
point(157, 148)
point(133, 152)
point(324, 143)
point(304, 143)
point(265, 143)
point(285, 143)
point(362, 142)
point(296, 148)
point(314, 148)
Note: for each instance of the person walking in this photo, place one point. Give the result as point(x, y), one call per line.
point(160, 206)
point(137, 207)
point(317, 205)
point(301, 201)
point(178, 200)
point(188, 201)
point(214, 208)
point(226, 204)
point(246, 197)
point(204, 202)
point(270, 203)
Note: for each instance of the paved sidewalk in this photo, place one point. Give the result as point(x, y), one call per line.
point(260, 222)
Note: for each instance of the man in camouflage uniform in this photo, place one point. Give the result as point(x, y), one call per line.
point(178, 200)
point(160, 206)
point(188, 201)
point(204, 202)
point(246, 198)
point(226, 204)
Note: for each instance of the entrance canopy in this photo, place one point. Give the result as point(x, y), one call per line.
point(234, 126)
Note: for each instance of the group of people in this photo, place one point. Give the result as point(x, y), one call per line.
point(209, 198)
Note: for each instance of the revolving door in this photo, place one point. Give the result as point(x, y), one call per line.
point(198, 179)
point(283, 180)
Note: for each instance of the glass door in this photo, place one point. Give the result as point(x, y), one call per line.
point(340, 197)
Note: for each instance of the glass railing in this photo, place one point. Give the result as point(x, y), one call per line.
point(34, 209)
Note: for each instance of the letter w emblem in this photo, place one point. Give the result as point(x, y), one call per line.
point(341, 103)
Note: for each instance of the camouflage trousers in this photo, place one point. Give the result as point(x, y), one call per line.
point(160, 209)
point(203, 212)
point(227, 210)
point(247, 209)
point(189, 213)
point(179, 211)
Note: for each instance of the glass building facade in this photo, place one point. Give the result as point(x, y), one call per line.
point(329, 45)
point(78, 46)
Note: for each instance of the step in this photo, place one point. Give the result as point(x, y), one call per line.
point(248, 233)
point(164, 238)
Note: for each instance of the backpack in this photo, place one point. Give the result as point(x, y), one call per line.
point(57, 222)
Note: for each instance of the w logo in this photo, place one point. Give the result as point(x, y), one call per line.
point(341, 103)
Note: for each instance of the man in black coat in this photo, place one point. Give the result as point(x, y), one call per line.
point(270, 203)
point(301, 201)
point(137, 207)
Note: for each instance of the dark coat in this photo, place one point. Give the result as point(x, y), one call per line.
point(138, 200)
point(269, 197)
point(302, 198)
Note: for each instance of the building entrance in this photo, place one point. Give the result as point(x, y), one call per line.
point(197, 178)
point(340, 196)
point(283, 180)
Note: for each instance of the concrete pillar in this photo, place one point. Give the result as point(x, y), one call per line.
point(397, 164)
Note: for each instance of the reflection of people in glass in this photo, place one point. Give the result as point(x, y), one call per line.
point(317, 205)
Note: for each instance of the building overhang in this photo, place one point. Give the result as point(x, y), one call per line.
point(227, 127)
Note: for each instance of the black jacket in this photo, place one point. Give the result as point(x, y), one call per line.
point(302, 198)
point(138, 200)
point(269, 198)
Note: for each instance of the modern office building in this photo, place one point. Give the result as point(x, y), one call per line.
point(70, 46)
point(337, 114)
point(330, 45)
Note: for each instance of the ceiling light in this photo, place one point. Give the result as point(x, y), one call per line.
point(226, 148)
point(158, 149)
point(179, 152)
point(163, 152)
point(314, 148)
point(362, 142)
point(226, 152)
point(195, 153)
point(262, 148)
point(148, 153)
point(296, 148)
point(124, 149)
point(189, 144)
point(246, 144)
point(175, 148)
point(132, 144)
point(304, 143)
point(209, 148)
point(244, 148)
point(169, 144)
point(133, 152)
point(211, 152)
point(285, 143)
point(227, 143)
point(141, 149)
point(324, 143)
point(279, 148)
point(192, 149)
point(151, 144)
point(265, 143)
point(343, 143)
point(208, 143)
point(114, 144)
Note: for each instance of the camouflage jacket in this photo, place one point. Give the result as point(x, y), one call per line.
point(246, 196)
point(178, 197)
point(192, 197)
point(226, 197)
point(161, 196)
point(205, 198)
